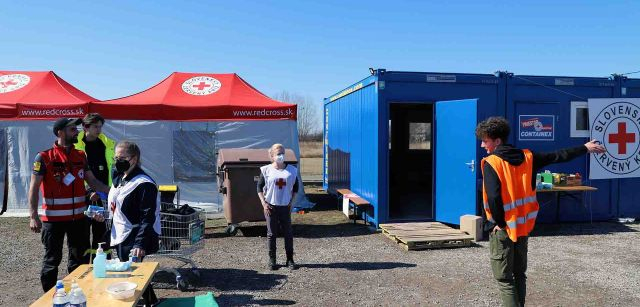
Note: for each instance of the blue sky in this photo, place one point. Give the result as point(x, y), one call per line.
point(111, 49)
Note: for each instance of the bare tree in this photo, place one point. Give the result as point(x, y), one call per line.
point(308, 122)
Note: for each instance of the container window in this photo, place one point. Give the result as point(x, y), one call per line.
point(580, 119)
point(194, 156)
point(419, 136)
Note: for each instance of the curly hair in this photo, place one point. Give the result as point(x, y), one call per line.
point(493, 127)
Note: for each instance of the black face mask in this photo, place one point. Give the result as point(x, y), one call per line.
point(122, 166)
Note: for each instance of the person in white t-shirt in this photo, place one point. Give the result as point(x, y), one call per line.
point(277, 188)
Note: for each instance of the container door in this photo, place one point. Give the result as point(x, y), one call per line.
point(456, 165)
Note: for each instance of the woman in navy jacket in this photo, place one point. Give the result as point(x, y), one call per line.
point(134, 203)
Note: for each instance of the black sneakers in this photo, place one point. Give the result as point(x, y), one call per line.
point(271, 265)
point(291, 264)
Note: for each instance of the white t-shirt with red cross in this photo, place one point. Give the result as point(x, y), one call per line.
point(278, 187)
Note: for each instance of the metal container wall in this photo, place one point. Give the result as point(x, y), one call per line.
point(238, 172)
point(356, 125)
point(628, 204)
point(428, 88)
point(356, 131)
point(540, 95)
point(351, 141)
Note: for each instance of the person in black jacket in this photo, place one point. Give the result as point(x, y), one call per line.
point(509, 269)
point(134, 203)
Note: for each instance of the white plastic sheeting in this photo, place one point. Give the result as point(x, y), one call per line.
point(3, 165)
point(182, 153)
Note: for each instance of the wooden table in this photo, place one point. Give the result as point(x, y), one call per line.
point(565, 191)
point(95, 288)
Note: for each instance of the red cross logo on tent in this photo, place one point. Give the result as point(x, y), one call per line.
point(6, 84)
point(200, 86)
point(13, 82)
point(621, 138)
point(280, 183)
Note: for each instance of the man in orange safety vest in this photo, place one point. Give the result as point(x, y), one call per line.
point(510, 205)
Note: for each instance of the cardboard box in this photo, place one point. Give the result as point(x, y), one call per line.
point(472, 225)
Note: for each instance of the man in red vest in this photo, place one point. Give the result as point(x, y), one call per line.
point(60, 173)
point(509, 195)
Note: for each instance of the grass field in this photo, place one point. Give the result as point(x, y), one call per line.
point(311, 160)
point(311, 149)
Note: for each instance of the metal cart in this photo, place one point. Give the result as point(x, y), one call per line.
point(181, 236)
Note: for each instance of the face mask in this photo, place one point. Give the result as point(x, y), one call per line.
point(122, 166)
point(280, 158)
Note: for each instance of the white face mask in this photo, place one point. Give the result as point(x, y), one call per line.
point(280, 158)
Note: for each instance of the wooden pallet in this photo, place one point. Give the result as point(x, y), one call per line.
point(427, 235)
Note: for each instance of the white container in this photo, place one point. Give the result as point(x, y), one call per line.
point(122, 290)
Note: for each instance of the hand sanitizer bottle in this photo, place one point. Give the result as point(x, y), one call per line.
point(100, 263)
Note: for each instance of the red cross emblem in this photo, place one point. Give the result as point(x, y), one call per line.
point(622, 138)
point(7, 83)
point(201, 86)
point(280, 183)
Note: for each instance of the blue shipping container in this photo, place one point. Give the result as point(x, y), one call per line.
point(404, 141)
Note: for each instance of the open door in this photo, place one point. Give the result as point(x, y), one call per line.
point(455, 155)
point(410, 162)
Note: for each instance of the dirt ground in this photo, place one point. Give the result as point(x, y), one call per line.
point(344, 264)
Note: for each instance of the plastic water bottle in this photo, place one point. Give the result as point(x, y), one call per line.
point(60, 299)
point(92, 211)
point(78, 299)
point(100, 263)
point(72, 297)
point(59, 284)
point(74, 285)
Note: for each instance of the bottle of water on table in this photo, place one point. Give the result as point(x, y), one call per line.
point(60, 298)
point(78, 299)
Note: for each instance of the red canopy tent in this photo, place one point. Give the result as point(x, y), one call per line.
point(39, 95)
point(197, 97)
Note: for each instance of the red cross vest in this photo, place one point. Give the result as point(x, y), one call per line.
point(63, 202)
point(518, 196)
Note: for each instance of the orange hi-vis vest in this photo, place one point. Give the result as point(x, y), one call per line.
point(63, 202)
point(518, 196)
